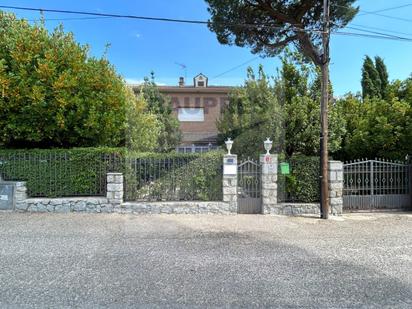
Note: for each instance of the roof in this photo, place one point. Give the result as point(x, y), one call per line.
point(190, 89)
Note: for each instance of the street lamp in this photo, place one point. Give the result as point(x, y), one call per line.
point(229, 144)
point(268, 145)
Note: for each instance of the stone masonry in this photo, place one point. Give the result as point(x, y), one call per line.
point(335, 170)
point(113, 202)
point(230, 182)
point(269, 174)
point(115, 188)
point(20, 193)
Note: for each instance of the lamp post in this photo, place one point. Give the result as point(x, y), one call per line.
point(229, 144)
point(268, 145)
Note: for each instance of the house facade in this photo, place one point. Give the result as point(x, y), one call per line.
point(197, 106)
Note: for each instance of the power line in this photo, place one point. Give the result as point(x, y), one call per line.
point(377, 13)
point(64, 19)
point(379, 33)
point(373, 36)
point(382, 29)
point(385, 10)
point(188, 21)
point(236, 67)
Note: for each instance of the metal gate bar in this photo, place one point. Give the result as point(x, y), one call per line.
point(249, 187)
point(376, 184)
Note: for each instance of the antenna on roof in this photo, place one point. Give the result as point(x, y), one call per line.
point(183, 67)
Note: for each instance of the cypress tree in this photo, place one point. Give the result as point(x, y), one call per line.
point(371, 82)
point(383, 75)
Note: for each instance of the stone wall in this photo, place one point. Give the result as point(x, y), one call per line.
point(113, 202)
point(65, 205)
point(184, 207)
point(102, 205)
point(295, 209)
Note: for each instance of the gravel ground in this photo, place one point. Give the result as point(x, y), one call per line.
point(89, 260)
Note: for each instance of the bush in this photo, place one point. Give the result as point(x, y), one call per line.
point(54, 94)
point(82, 171)
point(61, 172)
point(174, 176)
point(302, 184)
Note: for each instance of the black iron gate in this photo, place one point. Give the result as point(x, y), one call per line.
point(249, 187)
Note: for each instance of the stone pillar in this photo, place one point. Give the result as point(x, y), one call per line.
point(230, 182)
point(20, 195)
point(269, 178)
point(114, 191)
point(335, 170)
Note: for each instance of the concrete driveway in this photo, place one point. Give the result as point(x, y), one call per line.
point(80, 260)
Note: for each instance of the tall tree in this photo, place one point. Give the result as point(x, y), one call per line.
point(383, 75)
point(371, 83)
point(285, 109)
point(252, 115)
point(375, 80)
point(267, 26)
point(159, 105)
point(52, 93)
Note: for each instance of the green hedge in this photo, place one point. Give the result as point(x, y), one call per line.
point(60, 172)
point(302, 184)
point(82, 172)
point(172, 176)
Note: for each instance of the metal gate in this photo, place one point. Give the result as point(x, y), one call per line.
point(249, 187)
point(376, 184)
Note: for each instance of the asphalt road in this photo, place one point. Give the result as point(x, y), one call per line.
point(83, 261)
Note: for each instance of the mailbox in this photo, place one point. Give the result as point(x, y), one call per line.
point(230, 165)
point(285, 168)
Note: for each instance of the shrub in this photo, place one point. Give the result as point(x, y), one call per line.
point(174, 176)
point(302, 184)
point(54, 94)
point(61, 172)
point(82, 171)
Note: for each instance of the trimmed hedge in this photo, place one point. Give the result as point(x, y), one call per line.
point(60, 172)
point(169, 177)
point(302, 184)
point(82, 172)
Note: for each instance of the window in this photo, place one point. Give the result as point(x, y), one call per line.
point(200, 83)
point(191, 114)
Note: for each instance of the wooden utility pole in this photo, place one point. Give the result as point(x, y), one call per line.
point(324, 190)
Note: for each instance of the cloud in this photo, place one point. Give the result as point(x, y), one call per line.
point(138, 35)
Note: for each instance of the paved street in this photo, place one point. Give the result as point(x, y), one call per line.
point(80, 260)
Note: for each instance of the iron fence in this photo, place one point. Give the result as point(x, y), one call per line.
point(59, 174)
point(196, 149)
point(375, 177)
point(376, 184)
point(173, 179)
